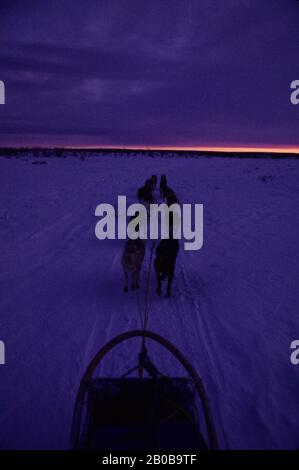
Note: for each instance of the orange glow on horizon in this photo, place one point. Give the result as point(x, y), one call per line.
point(228, 149)
point(225, 149)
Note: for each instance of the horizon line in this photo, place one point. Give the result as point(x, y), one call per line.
point(224, 149)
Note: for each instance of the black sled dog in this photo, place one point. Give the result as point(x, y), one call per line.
point(166, 254)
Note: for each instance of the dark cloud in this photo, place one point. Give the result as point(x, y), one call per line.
point(149, 73)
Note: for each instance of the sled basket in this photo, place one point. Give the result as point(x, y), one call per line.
point(150, 413)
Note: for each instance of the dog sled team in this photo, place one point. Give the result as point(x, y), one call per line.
point(167, 249)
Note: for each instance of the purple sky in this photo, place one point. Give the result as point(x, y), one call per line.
point(149, 73)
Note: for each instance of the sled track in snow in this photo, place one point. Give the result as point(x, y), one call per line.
point(198, 329)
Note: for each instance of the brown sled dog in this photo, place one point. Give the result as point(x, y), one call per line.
point(131, 262)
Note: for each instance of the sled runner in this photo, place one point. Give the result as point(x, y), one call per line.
point(156, 412)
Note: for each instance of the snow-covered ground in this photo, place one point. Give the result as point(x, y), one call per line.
point(233, 313)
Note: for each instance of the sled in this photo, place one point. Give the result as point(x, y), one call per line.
point(156, 412)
